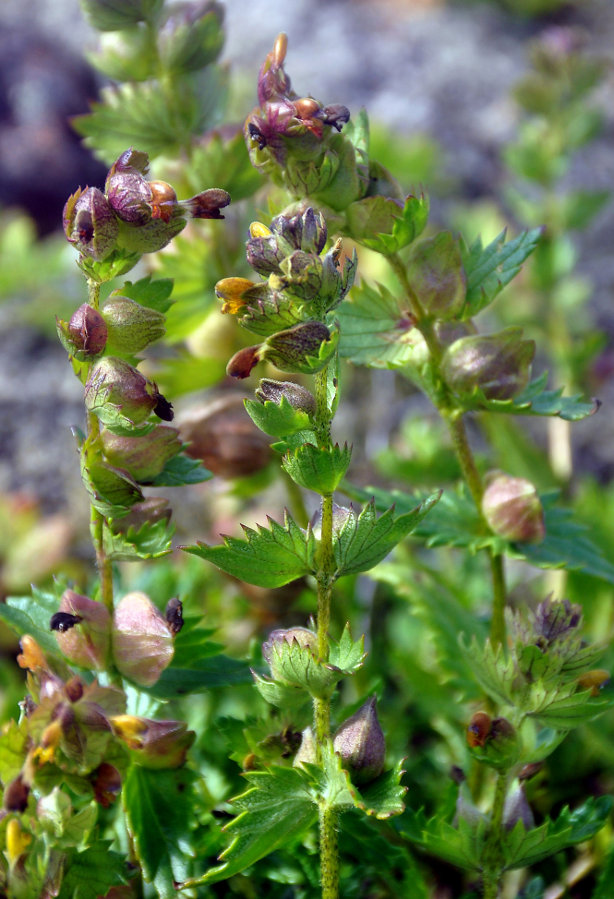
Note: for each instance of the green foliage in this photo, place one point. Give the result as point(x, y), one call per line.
point(318, 469)
point(91, 872)
point(278, 419)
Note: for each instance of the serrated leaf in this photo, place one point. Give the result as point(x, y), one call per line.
point(454, 522)
point(535, 400)
point(91, 873)
point(381, 224)
point(346, 654)
point(182, 470)
point(524, 848)
point(383, 797)
point(494, 671)
point(489, 269)
point(277, 419)
point(31, 615)
point(461, 846)
point(362, 540)
point(151, 541)
point(316, 468)
point(377, 329)
point(159, 808)
point(269, 557)
point(154, 294)
point(295, 665)
point(277, 808)
point(569, 711)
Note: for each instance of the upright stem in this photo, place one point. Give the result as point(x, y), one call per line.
point(329, 851)
point(491, 860)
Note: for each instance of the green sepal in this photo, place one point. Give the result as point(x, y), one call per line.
point(65, 339)
point(277, 419)
point(437, 276)
point(380, 224)
point(534, 400)
point(347, 655)
point(192, 45)
point(129, 56)
point(296, 666)
point(116, 15)
point(292, 441)
point(522, 848)
point(154, 294)
point(318, 469)
point(159, 807)
point(181, 470)
point(117, 263)
point(283, 696)
point(493, 669)
point(362, 539)
point(269, 557)
point(274, 311)
point(278, 807)
point(151, 541)
point(111, 490)
point(489, 269)
point(383, 797)
point(573, 707)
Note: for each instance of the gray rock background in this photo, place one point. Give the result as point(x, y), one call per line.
point(420, 67)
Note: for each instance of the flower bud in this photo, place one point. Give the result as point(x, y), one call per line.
point(192, 36)
point(155, 744)
point(86, 641)
point(498, 364)
point(299, 349)
point(17, 841)
point(517, 809)
point(90, 223)
point(225, 439)
point(127, 190)
point(142, 457)
point(298, 397)
point(512, 509)
point(493, 741)
point(301, 635)
point(206, 204)
point(142, 641)
point(361, 744)
point(244, 360)
point(16, 795)
point(117, 392)
point(236, 294)
point(130, 326)
point(87, 331)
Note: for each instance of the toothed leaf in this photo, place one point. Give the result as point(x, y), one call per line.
point(318, 469)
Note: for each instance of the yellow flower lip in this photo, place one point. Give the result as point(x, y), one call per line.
point(17, 840)
point(257, 229)
point(232, 291)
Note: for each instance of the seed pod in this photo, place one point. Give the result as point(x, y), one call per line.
point(118, 393)
point(87, 330)
point(298, 397)
point(299, 349)
point(301, 635)
point(142, 457)
point(142, 641)
point(130, 326)
point(498, 364)
point(90, 224)
point(361, 744)
point(86, 643)
point(512, 509)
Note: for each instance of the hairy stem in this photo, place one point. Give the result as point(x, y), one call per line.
point(491, 860)
point(329, 853)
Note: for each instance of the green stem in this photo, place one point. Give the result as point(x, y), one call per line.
point(329, 853)
point(492, 858)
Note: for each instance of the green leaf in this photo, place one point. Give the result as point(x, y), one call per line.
point(198, 677)
point(225, 164)
point(13, 749)
point(383, 797)
point(278, 807)
point(115, 15)
point(154, 295)
point(377, 329)
point(278, 420)
point(524, 848)
point(461, 846)
point(151, 541)
point(535, 400)
point(269, 557)
point(92, 872)
point(316, 468)
point(31, 615)
point(572, 710)
point(490, 268)
point(160, 814)
point(346, 654)
point(181, 470)
point(362, 540)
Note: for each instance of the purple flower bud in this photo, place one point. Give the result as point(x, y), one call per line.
point(307, 750)
point(298, 349)
point(87, 330)
point(86, 643)
point(90, 223)
point(298, 397)
point(556, 619)
point(301, 635)
point(142, 457)
point(512, 509)
point(130, 327)
point(361, 744)
point(115, 388)
point(142, 641)
point(498, 364)
point(517, 809)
